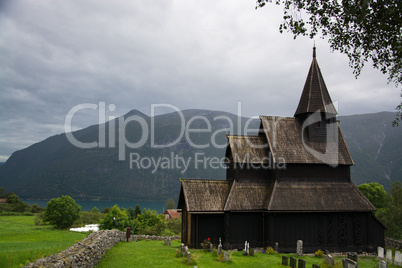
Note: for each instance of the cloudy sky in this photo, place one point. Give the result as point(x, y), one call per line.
point(209, 54)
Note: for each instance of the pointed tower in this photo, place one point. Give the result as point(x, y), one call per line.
point(315, 100)
point(315, 96)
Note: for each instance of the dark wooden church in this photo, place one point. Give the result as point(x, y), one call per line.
point(290, 182)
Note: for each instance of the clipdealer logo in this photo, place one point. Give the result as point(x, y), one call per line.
point(200, 160)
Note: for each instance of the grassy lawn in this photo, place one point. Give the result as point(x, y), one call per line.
point(21, 241)
point(155, 254)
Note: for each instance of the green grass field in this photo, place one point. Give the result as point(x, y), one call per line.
point(155, 254)
point(21, 241)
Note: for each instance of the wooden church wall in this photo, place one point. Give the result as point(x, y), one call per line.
point(312, 172)
point(204, 226)
point(246, 226)
point(253, 172)
point(326, 231)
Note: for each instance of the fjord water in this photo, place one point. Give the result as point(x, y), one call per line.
point(88, 205)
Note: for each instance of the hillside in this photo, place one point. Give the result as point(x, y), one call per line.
point(54, 167)
point(376, 147)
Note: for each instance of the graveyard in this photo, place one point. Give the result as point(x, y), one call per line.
point(154, 253)
point(157, 254)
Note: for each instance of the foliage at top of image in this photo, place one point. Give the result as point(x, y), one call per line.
point(362, 29)
point(62, 212)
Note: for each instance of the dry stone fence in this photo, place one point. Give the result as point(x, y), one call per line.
point(392, 243)
point(86, 253)
point(89, 251)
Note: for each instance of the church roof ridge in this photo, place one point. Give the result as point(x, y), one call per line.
point(277, 116)
point(243, 136)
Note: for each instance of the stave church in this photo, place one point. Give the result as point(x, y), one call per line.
point(290, 182)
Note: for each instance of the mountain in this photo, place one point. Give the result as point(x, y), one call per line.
point(376, 147)
point(55, 167)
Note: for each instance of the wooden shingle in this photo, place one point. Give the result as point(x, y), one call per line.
point(286, 142)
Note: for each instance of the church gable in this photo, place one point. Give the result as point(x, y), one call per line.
point(288, 143)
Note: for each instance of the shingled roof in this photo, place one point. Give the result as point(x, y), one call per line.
point(318, 196)
point(247, 149)
point(315, 96)
point(246, 195)
point(286, 143)
point(204, 195)
point(214, 196)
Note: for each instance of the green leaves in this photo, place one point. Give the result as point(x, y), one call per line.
point(116, 218)
point(375, 193)
point(62, 212)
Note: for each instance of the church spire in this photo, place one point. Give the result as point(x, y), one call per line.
point(315, 96)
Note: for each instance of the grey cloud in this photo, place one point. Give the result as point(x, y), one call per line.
point(191, 54)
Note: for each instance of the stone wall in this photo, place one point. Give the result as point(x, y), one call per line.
point(392, 243)
point(89, 251)
point(153, 237)
point(86, 253)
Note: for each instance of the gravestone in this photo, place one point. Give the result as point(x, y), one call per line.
point(169, 243)
point(226, 256)
point(328, 259)
point(299, 249)
point(301, 263)
point(285, 260)
point(128, 233)
point(181, 247)
point(352, 256)
point(219, 250)
point(380, 253)
point(398, 258)
point(316, 266)
point(251, 252)
point(276, 247)
point(388, 256)
point(383, 264)
point(188, 257)
point(211, 247)
point(348, 263)
point(293, 262)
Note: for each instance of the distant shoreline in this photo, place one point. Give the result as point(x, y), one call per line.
point(102, 204)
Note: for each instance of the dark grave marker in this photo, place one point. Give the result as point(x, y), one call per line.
point(293, 262)
point(301, 263)
point(285, 260)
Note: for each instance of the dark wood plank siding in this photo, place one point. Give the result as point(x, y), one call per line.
point(210, 226)
point(248, 227)
point(314, 172)
point(337, 232)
